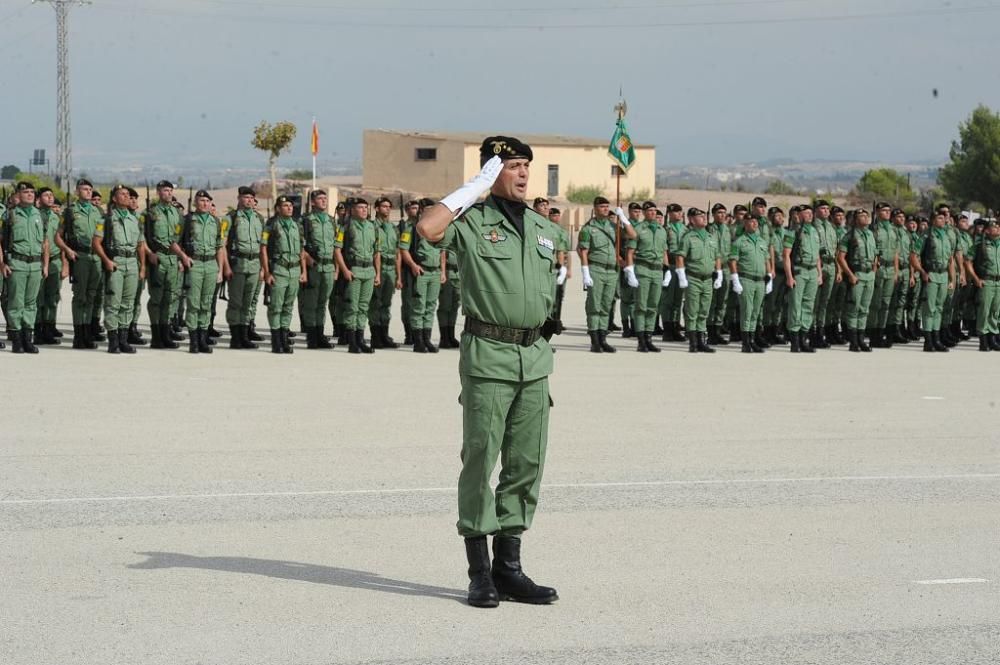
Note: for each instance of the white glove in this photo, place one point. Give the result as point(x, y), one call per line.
point(667, 278)
point(561, 276)
point(735, 280)
point(587, 280)
point(769, 287)
point(717, 284)
point(630, 277)
point(469, 193)
point(682, 280)
point(622, 217)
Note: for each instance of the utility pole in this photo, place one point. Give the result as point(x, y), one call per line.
point(64, 143)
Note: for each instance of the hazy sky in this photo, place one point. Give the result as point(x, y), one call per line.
point(712, 81)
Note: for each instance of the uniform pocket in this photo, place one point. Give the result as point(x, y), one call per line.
point(494, 250)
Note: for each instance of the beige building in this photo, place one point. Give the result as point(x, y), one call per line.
point(435, 163)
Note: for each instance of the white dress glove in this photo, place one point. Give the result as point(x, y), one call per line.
point(735, 280)
point(682, 280)
point(717, 284)
point(622, 217)
point(769, 287)
point(630, 277)
point(469, 193)
point(561, 276)
point(667, 278)
point(587, 279)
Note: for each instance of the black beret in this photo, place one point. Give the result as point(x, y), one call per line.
point(382, 199)
point(504, 147)
point(83, 182)
point(963, 216)
point(24, 185)
point(649, 205)
point(316, 192)
point(739, 207)
point(898, 211)
point(750, 218)
point(96, 194)
point(717, 207)
point(634, 206)
point(694, 212)
point(882, 204)
point(554, 211)
point(835, 209)
point(412, 202)
point(775, 210)
point(600, 200)
point(131, 192)
point(759, 201)
point(794, 209)
point(116, 189)
point(426, 202)
point(202, 194)
point(820, 203)
point(674, 207)
point(165, 183)
point(358, 201)
point(278, 201)
point(244, 191)
point(539, 199)
point(341, 205)
point(44, 190)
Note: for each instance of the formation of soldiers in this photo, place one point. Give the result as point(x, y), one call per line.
point(820, 277)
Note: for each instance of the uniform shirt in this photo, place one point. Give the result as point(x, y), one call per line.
point(751, 253)
point(935, 250)
point(700, 251)
point(244, 236)
point(888, 242)
point(126, 234)
point(388, 242)
point(723, 238)
point(506, 281)
point(860, 249)
point(358, 239)
point(777, 243)
point(808, 249)
point(204, 235)
point(162, 226)
point(964, 244)
point(50, 225)
point(905, 241)
point(598, 237)
point(319, 236)
point(675, 233)
point(284, 242)
point(26, 232)
point(649, 244)
point(827, 241)
point(82, 219)
point(987, 259)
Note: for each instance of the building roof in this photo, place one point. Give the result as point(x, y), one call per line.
point(476, 138)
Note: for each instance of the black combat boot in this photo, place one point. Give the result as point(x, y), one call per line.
point(703, 343)
point(943, 336)
point(747, 347)
point(123, 343)
point(649, 343)
point(352, 343)
point(994, 342)
point(193, 346)
point(212, 332)
point(602, 339)
point(939, 346)
point(897, 336)
point(134, 336)
point(247, 341)
point(311, 338)
point(26, 342)
point(862, 344)
point(641, 345)
point(407, 333)
point(390, 343)
point(509, 578)
point(362, 343)
point(342, 334)
point(796, 342)
point(853, 336)
point(95, 331)
point(595, 343)
point(276, 340)
point(155, 341)
point(166, 339)
point(445, 343)
point(39, 335)
point(322, 341)
point(714, 337)
point(657, 327)
point(204, 341)
point(235, 337)
point(612, 326)
point(984, 343)
point(427, 341)
point(958, 333)
point(758, 340)
point(805, 344)
point(253, 335)
point(482, 593)
point(692, 342)
point(929, 342)
point(113, 346)
point(627, 330)
point(55, 331)
point(821, 341)
point(418, 341)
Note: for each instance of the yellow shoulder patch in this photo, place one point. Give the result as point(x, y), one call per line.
point(340, 236)
point(100, 228)
point(265, 235)
point(178, 229)
point(404, 236)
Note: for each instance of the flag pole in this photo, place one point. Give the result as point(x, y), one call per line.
point(315, 148)
point(620, 109)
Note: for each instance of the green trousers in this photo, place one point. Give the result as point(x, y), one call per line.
point(836, 312)
point(243, 289)
point(449, 302)
point(802, 301)
point(600, 297)
point(426, 289)
point(776, 302)
point(137, 301)
point(824, 293)
point(882, 299)
point(959, 299)
point(406, 296)
point(672, 301)
point(164, 288)
point(315, 296)
point(380, 310)
point(88, 281)
point(697, 302)
point(49, 293)
point(627, 295)
point(358, 298)
point(510, 421)
point(339, 309)
point(22, 294)
point(647, 298)
point(935, 292)
point(720, 301)
point(283, 293)
point(202, 276)
point(859, 302)
point(119, 293)
point(750, 302)
point(900, 296)
point(988, 310)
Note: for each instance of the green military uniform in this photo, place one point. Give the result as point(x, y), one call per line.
point(407, 228)
point(202, 239)
point(23, 237)
point(284, 244)
point(162, 228)
point(80, 220)
point(805, 246)
point(775, 303)
point(901, 294)
point(122, 238)
point(598, 237)
point(700, 251)
point(885, 280)
point(672, 300)
point(751, 253)
point(986, 260)
point(626, 294)
point(935, 252)
point(380, 311)
point(949, 300)
point(449, 300)
point(319, 233)
point(965, 248)
point(562, 246)
point(244, 236)
point(358, 241)
point(650, 244)
point(425, 288)
point(838, 297)
point(860, 251)
point(506, 296)
point(824, 292)
point(720, 297)
point(49, 293)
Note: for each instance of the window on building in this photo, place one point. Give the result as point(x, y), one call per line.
point(615, 170)
point(427, 154)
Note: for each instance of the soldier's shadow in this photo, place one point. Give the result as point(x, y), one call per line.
point(299, 572)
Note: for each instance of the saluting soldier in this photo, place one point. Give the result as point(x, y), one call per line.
point(24, 261)
point(49, 292)
point(380, 313)
point(983, 266)
point(283, 259)
point(672, 300)
point(426, 265)
point(162, 228)
point(360, 265)
point(648, 254)
point(596, 246)
point(749, 264)
point(719, 229)
point(887, 275)
point(803, 275)
point(119, 243)
point(857, 254)
point(244, 235)
point(933, 257)
point(504, 364)
point(699, 272)
point(202, 254)
point(79, 223)
point(319, 234)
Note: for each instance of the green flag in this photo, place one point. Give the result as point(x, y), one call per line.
point(621, 148)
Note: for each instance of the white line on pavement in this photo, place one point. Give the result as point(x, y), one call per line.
point(434, 490)
point(932, 397)
point(955, 580)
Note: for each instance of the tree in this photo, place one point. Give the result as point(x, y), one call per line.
point(885, 184)
point(9, 172)
point(299, 174)
point(780, 187)
point(273, 139)
point(973, 174)
point(39, 180)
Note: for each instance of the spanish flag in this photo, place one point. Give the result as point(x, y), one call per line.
point(315, 139)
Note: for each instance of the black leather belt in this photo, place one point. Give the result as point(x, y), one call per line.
point(520, 336)
point(434, 269)
point(123, 254)
point(25, 258)
point(861, 271)
point(361, 264)
point(752, 278)
point(324, 261)
point(652, 265)
point(698, 275)
point(287, 264)
point(247, 256)
point(203, 257)
point(83, 250)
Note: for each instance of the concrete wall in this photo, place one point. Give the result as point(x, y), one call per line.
point(389, 162)
point(582, 166)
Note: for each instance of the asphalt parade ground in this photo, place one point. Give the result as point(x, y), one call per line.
point(244, 507)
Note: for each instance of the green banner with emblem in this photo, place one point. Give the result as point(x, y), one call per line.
point(621, 148)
